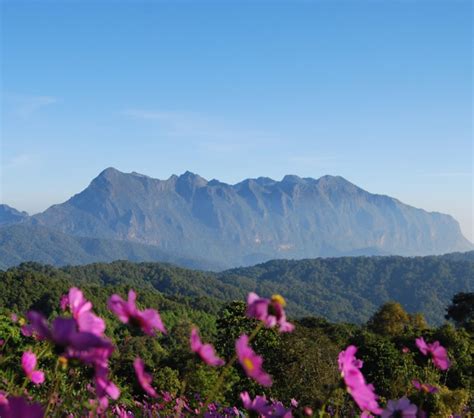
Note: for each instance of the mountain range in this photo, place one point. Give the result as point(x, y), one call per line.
point(205, 224)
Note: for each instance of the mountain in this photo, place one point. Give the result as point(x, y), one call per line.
point(252, 221)
point(22, 242)
point(10, 216)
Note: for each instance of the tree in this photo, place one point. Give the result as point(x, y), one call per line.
point(390, 320)
point(461, 311)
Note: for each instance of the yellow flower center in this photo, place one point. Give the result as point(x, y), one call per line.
point(62, 361)
point(248, 364)
point(21, 322)
point(279, 299)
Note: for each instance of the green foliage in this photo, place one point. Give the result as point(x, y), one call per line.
point(305, 366)
point(346, 289)
point(461, 311)
point(303, 363)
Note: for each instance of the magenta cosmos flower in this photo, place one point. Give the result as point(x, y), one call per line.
point(438, 353)
point(81, 310)
point(260, 404)
point(64, 333)
point(401, 408)
point(143, 377)
point(17, 407)
point(104, 388)
point(148, 320)
point(205, 351)
point(424, 387)
point(28, 363)
point(280, 411)
point(251, 362)
point(362, 393)
point(269, 311)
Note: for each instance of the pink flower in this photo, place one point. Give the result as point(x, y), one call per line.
point(104, 388)
point(260, 405)
point(438, 353)
point(148, 320)
point(401, 408)
point(28, 363)
point(308, 411)
point(64, 302)
point(294, 403)
point(279, 411)
point(251, 362)
point(269, 311)
point(81, 310)
point(424, 387)
point(143, 377)
point(122, 412)
point(205, 351)
point(362, 393)
point(17, 407)
point(64, 333)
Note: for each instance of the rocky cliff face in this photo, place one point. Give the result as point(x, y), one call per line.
point(251, 221)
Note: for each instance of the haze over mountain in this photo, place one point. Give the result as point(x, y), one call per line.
point(188, 217)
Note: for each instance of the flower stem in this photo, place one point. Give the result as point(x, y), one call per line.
point(54, 389)
point(224, 372)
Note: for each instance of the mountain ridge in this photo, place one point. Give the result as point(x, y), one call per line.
point(251, 221)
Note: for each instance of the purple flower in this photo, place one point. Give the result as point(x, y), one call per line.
point(260, 405)
point(28, 363)
point(148, 320)
point(17, 407)
point(401, 408)
point(437, 351)
point(122, 412)
point(269, 311)
point(205, 351)
point(424, 387)
point(104, 388)
point(362, 393)
point(279, 411)
point(251, 362)
point(64, 333)
point(81, 310)
point(143, 377)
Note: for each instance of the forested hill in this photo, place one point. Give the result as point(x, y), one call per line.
point(339, 289)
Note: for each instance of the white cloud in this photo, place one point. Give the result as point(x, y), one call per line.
point(19, 161)
point(24, 106)
point(208, 133)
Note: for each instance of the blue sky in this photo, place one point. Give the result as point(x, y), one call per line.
point(377, 91)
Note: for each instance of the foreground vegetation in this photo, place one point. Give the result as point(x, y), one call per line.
point(302, 365)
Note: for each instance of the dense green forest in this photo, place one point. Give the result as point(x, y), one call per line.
point(346, 289)
point(303, 363)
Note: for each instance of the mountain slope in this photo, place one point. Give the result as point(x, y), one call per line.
point(252, 221)
point(10, 216)
point(340, 289)
point(21, 243)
